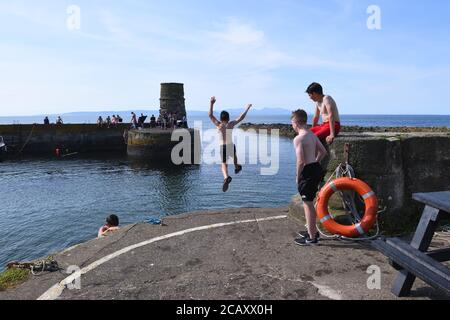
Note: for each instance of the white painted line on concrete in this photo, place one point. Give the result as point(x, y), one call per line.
point(323, 290)
point(55, 292)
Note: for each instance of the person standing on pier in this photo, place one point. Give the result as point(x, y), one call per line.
point(108, 122)
point(164, 121)
point(309, 151)
point(227, 147)
point(100, 121)
point(141, 121)
point(134, 121)
point(153, 121)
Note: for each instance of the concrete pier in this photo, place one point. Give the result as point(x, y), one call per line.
point(239, 254)
point(42, 140)
point(156, 144)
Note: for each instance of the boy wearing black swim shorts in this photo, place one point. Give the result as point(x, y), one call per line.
point(309, 151)
point(227, 147)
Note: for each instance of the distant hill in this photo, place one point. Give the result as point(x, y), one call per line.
point(257, 112)
point(265, 111)
point(107, 113)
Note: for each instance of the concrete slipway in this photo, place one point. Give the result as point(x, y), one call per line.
point(227, 254)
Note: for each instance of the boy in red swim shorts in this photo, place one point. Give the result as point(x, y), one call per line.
point(327, 108)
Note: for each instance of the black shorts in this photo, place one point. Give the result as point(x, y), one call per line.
point(310, 179)
point(227, 151)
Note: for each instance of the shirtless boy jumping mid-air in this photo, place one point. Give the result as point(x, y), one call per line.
point(227, 147)
point(310, 152)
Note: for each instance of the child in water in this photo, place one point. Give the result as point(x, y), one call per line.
point(112, 224)
point(227, 147)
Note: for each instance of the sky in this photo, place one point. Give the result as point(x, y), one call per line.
point(60, 56)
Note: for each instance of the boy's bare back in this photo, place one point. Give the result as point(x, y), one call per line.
point(226, 127)
point(226, 132)
point(308, 147)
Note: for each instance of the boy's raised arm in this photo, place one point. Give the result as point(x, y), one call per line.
point(243, 115)
point(211, 112)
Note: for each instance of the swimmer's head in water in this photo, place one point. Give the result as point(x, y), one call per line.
point(299, 117)
point(225, 116)
point(113, 220)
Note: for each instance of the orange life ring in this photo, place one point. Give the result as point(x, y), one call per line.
point(370, 200)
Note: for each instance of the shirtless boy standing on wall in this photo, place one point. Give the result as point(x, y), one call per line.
point(227, 147)
point(309, 151)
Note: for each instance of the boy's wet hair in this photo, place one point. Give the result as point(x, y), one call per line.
point(300, 116)
point(113, 220)
point(225, 116)
point(315, 88)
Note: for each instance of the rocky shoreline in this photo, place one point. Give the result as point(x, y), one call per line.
point(287, 131)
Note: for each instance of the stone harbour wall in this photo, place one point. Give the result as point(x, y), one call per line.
point(394, 164)
point(45, 139)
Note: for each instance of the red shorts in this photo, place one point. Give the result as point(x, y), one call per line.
point(323, 131)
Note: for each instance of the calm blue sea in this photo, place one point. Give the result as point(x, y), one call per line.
point(348, 120)
point(48, 205)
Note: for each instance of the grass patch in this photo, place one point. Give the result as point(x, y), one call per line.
point(12, 277)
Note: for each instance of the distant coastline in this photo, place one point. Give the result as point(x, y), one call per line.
point(257, 116)
point(286, 130)
point(91, 116)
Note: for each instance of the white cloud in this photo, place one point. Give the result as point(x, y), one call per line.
point(238, 33)
point(241, 46)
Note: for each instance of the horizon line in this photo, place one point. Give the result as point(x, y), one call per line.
point(205, 111)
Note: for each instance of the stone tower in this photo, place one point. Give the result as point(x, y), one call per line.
point(172, 99)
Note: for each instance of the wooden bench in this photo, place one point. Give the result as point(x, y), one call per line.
point(413, 260)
